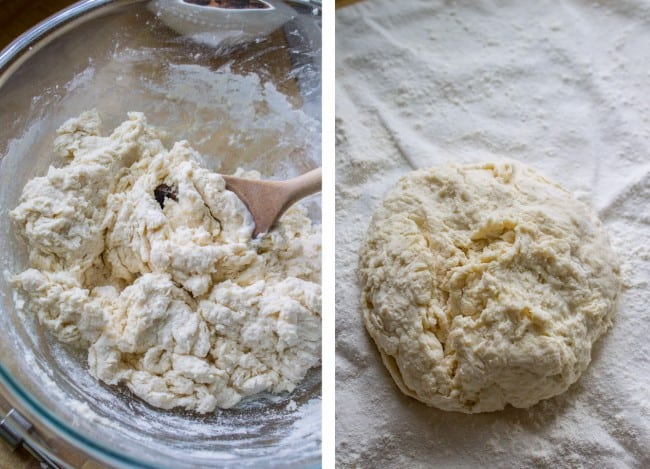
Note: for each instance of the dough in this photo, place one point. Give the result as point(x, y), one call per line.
point(142, 256)
point(485, 285)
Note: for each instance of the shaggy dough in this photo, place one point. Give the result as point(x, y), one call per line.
point(485, 286)
point(175, 301)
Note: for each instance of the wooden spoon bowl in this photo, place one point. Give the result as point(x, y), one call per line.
point(268, 200)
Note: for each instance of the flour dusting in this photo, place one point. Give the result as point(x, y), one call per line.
point(562, 88)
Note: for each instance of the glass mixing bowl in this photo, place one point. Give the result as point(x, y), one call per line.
point(244, 103)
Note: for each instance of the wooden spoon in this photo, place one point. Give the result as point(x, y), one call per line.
point(268, 200)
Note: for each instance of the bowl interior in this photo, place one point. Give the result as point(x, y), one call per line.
point(255, 106)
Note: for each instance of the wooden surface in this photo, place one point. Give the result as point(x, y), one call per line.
point(343, 3)
point(17, 16)
point(20, 459)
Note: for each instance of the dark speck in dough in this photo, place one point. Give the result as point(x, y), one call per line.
point(163, 191)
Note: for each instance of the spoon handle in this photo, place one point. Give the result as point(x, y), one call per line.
point(304, 185)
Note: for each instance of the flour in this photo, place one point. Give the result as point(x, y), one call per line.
point(562, 88)
point(141, 256)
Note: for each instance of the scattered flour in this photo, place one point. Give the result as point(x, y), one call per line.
point(562, 87)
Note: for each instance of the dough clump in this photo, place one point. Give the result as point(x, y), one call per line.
point(485, 285)
point(141, 256)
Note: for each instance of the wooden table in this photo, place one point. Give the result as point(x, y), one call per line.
point(343, 3)
point(17, 16)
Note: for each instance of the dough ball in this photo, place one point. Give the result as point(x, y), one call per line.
point(485, 285)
